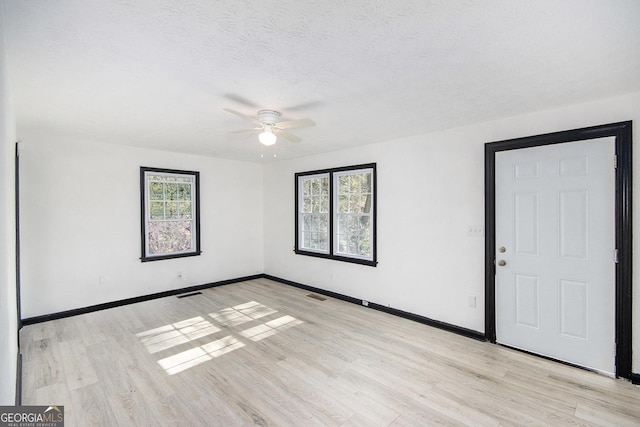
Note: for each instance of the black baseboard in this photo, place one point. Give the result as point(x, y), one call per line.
point(469, 333)
point(113, 304)
point(416, 318)
point(313, 289)
point(19, 379)
point(635, 378)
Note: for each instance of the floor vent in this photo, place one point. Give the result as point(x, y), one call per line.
point(190, 295)
point(318, 297)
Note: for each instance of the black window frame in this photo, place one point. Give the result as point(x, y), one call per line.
point(143, 214)
point(373, 262)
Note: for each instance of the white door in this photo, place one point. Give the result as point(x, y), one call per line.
point(555, 260)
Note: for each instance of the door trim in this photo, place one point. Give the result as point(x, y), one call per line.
point(17, 221)
point(623, 301)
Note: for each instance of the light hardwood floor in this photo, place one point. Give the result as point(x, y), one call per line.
point(263, 353)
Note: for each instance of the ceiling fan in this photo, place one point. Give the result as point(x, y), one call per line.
point(270, 127)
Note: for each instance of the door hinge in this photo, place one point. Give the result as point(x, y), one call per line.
point(615, 256)
point(615, 161)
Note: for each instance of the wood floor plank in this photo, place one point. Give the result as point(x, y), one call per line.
point(263, 353)
point(601, 416)
point(78, 369)
point(91, 407)
point(57, 394)
point(45, 361)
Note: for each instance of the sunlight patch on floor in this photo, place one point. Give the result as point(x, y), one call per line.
point(242, 313)
point(168, 336)
point(195, 356)
point(183, 361)
point(185, 331)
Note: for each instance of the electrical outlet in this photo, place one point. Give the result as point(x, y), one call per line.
point(365, 303)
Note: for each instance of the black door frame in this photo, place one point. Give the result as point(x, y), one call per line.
point(623, 297)
point(17, 221)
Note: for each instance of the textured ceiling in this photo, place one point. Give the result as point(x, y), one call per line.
point(157, 73)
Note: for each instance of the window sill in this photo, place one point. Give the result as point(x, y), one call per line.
point(370, 263)
point(170, 256)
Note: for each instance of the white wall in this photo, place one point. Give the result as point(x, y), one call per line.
point(8, 308)
point(430, 189)
point(80, 224)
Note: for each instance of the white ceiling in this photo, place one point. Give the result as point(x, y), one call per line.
point(157, 74)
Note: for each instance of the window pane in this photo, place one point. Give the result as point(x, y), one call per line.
point(365, 202)
point(343, 204)
point(184, 192)
point(171, 191)
point(156, 210)
point(306, 223)
point(364, 222)
point(184, 209)
point(316, 204)
point(169, 237)
point(365, 247)
point(343, 184)
point(171, 210)
point(343, 223)
point(355, 183)
point(366, 183)
point(324, 223)
point(324, 187)
point(156, 191)
point(342, 243)
point(324, 204)
point(354, 203)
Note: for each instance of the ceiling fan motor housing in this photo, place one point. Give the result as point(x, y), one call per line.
point(269, 116)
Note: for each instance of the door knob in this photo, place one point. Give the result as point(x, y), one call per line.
point(502, 249)
point(502, 263)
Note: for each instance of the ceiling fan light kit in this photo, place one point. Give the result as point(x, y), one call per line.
point(267, 137)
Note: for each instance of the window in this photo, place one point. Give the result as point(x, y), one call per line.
point(170, 213)
point(335, 213)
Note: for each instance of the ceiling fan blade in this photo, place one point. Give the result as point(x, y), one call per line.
point(244, 116)
point(240, 100)
point(283, 133)
point(296, 124)
point(304, 106)
point(245, 130)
